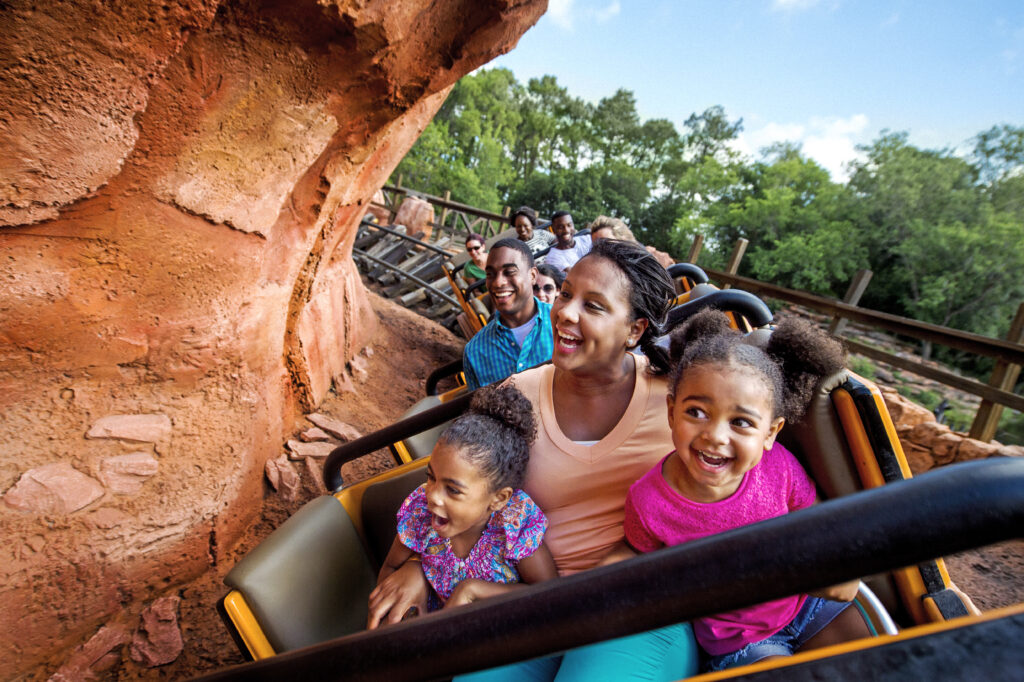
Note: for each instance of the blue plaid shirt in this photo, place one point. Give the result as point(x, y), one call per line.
point(493, 354)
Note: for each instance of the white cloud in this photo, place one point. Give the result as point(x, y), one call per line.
point(565, 14)
point(560, 12)
point(612, 10)
point(793, 5)
point(831, 141)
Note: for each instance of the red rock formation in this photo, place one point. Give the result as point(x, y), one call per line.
point(178, 199)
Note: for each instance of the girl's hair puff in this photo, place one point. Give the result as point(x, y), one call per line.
point(495, 434)
point(797, 357)
point(650, 292)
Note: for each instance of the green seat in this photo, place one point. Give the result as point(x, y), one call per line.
point(310, 580)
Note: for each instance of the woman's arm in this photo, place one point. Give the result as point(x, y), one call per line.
point(535, 568)
point(618, 553)
point(403, 589)
point(397, 555)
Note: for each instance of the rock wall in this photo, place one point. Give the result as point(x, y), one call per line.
point(179, 191)
point(928, 444)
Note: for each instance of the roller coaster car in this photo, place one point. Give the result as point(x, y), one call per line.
point(307, 583)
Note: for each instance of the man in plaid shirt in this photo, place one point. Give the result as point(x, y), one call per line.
point(519, 334)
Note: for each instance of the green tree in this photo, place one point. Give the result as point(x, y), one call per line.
point(941, 250)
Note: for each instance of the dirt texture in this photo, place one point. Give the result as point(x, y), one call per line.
point(178, 199)
point(372, 397)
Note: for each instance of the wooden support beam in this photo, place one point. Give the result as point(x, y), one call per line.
point(853, 294)
point(1004, 377)
point(737, 256)
point(695, 247)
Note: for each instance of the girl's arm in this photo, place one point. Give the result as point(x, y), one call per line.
point(397, 555)
point(537, 567)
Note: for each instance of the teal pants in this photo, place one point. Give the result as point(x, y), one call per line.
point(669, 653)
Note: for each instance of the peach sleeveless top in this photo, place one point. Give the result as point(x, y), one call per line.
point(582, 489)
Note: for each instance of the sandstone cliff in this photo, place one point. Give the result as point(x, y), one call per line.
point(179, 191)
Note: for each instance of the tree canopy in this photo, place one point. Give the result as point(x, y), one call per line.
point(944, 234)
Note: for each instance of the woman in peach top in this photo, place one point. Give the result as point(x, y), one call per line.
point(601, 425)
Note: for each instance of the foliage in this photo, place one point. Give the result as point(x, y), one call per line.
point(941, 233)
point(862, 366)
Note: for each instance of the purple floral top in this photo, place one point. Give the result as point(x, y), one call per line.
point(513, 533)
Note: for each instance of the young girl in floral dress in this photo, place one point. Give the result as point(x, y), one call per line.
point(476, 533)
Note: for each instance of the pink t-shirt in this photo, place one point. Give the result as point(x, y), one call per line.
point(658, 516)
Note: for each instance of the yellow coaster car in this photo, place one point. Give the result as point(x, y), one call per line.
point(298, 603)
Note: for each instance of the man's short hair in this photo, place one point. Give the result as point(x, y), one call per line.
point(520, 246)
point(558, 214)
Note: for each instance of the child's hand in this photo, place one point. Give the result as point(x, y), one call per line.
point(396, 594)
point(471, 590)
point(841, 592)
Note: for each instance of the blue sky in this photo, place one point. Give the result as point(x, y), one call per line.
point(829, 74)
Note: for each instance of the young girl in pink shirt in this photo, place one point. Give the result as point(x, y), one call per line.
point(727, 402)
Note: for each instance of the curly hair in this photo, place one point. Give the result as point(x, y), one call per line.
point(650, 292)
point(495, 434)
point(527, 213)
point(797, 357)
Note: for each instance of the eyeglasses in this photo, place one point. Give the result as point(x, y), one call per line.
point(473, 248)
point(547, 288)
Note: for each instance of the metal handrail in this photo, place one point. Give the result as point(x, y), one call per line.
point(938, 513)
point(419, 242)
point(403, 273)
point(400, 430)
point(758, 314)
point(688, 270)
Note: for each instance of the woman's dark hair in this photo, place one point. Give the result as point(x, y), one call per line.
point(797, 357)
point(552, 272)
point(527, 213)
point(650, 292)
point(495, 434)
point(474, 235)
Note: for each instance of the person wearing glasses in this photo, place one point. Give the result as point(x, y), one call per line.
point(474, 269)
point(549, 281)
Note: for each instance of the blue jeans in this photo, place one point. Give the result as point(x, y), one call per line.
point(668, 653)
point(811, 619)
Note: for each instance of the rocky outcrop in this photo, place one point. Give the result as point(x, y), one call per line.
point(178, 202)
point(928, 444)
point(417, 215)
point(157, 640)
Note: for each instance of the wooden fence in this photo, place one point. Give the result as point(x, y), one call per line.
point(455, 219)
